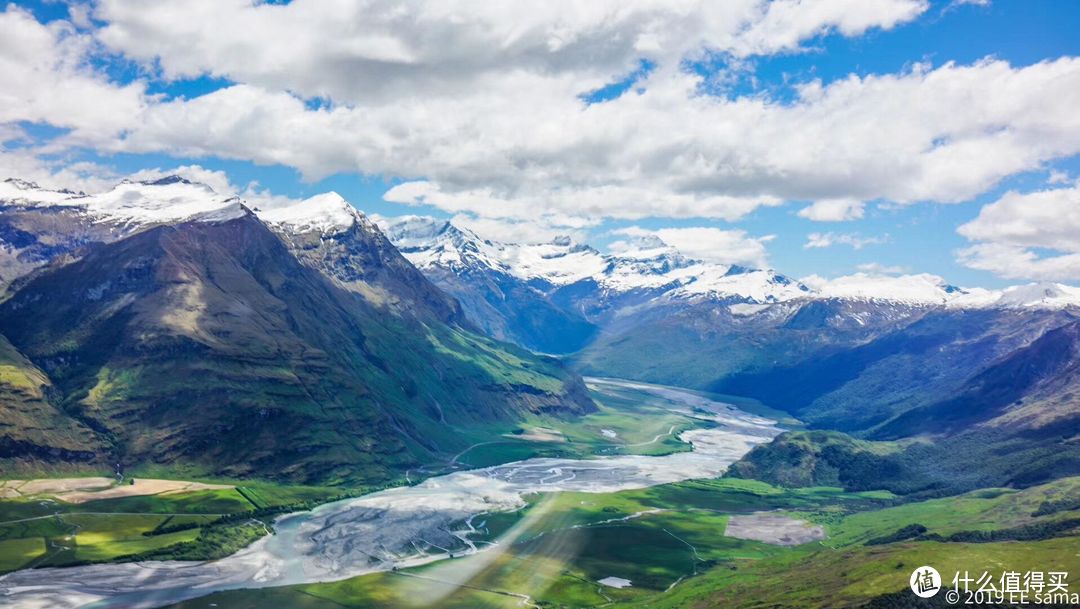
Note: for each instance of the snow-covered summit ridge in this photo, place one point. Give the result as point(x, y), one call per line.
point(918, 289)
point(29, 193)
point(641, 263)
point(648, 263)
point(169, 199)
point(176, 199)
point(930, 290)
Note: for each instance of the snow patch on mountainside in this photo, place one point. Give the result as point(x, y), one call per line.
point(560, 262)
point(747, 309)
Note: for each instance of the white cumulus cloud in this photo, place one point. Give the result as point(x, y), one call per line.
point(833, 210)
point(1033, 235)
point(477, 105)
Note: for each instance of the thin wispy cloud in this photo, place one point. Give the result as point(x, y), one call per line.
point(855, 241)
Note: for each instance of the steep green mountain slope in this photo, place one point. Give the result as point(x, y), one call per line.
point(33, 431)
point(1015, 423)
point(208, 345)
point(1033, 390)
point(858, 386)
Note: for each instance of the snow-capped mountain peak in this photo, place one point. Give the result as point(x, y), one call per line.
point(753, 286)
point(171, 179)
point(430, 242)
point(638, 246)
point(648, 262)
point(326, 213)
point(414, 231)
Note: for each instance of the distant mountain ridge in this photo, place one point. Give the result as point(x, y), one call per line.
point(508, 289)
point(647, 263)
point(554, 297)
point(650, 264)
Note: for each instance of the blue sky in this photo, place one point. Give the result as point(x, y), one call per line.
point(915, 236)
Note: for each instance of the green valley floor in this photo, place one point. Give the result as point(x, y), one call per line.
point(670, 543)
point(725, 542)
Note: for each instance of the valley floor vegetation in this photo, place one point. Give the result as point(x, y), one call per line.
point(41, 530)
point(669, 542)
point(666, 546)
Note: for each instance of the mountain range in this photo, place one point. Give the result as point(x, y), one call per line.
point(326, 343)
point(880, 358)
point(160, 323)
point(506, 288)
